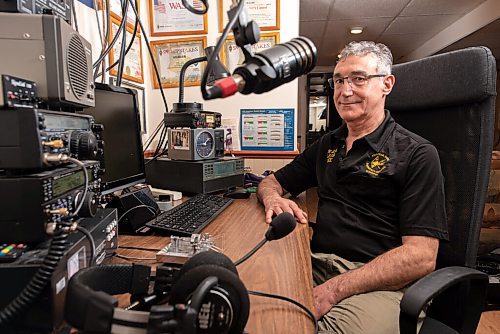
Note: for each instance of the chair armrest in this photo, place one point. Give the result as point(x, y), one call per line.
point(427, 288)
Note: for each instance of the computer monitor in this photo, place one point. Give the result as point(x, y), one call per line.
point(117, 109)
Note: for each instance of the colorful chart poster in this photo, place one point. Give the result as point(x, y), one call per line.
point(267, 129)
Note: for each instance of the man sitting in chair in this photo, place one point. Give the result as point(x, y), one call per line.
point(381, 210)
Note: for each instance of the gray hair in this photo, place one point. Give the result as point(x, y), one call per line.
point(380, 51)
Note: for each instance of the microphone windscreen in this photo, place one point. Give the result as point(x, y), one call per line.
point(281, 226)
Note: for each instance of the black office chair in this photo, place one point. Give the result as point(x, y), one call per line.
point(449, 99)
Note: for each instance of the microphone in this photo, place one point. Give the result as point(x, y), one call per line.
point(268, 69)
point(280, 226)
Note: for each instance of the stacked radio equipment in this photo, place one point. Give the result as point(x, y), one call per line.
point(195, 150)
point(195, 142)
point(50, 175)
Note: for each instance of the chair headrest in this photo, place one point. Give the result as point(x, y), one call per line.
point(452, 78)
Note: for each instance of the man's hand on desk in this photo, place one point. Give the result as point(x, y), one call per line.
point(276, 204)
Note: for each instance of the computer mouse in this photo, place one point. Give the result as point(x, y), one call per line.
point(238, 193)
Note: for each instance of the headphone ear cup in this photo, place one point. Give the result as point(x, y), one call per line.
point(208, 257)
point(229, 292)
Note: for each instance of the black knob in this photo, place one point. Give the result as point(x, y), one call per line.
point(90, 204)
point(83, 145)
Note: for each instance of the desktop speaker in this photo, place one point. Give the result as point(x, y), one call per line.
point(45, 49)
point(135, 209)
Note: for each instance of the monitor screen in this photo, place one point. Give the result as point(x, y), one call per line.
point(116, 108)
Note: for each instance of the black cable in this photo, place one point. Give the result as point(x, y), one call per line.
point(140, 248)
point(183, 73)
point(151, 209)
point(105, 52)
point(252, 252)
point(38, 282)
point(129, 46)
point(308, 311)
point(73, 10)
point(163, 134)
point(194, 10)
point(156, 156)
point(121, 61)
point(94, 3)
point(155, 133)
point(107, 23)
point(212, 58)
point(132, 258)
point(150, 55)
point(92, 243)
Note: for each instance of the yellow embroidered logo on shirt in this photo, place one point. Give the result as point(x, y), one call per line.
point(377, 163)
point(330, 154)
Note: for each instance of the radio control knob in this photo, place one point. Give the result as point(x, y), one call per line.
point(84, 145)
point(89, 207)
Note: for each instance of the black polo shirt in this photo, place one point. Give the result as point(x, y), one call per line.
point(387, 186)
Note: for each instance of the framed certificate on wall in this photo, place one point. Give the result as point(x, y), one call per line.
point(232, 56)
point(170, 18)
point(265, 12)
point(171, 54)
point(115, 10)
point(133, 67)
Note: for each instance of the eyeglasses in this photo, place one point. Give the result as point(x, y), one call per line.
point(353, 80)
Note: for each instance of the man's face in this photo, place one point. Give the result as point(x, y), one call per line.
point(355, 103)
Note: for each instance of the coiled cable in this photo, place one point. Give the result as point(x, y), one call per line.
point(38, 282)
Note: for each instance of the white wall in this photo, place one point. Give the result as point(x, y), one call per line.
point(282, 97)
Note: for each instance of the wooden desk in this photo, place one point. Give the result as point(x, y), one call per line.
point(281, 267)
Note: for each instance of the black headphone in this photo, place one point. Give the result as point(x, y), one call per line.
point(204, 296)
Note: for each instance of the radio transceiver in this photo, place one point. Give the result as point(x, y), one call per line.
point(45, 313)
point(203, 176)
point(195, 144)
point(29, 137)
point(61, 8)
point(191, 115)
point(17, 93)
point(53, 194)
point(192, 119)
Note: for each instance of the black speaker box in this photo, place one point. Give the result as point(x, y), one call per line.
point(135, 209)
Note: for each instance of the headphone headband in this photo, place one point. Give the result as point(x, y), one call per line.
point(208, 297)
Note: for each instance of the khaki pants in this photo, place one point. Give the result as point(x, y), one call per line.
point(374, 312)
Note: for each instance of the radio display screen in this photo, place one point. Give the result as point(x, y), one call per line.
point(59, 122)
point(221, 169)
point(67, 182)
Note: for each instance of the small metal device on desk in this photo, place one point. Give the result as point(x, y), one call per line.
point(180, 249)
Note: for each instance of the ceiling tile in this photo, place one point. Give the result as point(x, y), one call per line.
point(433, 7)
point(402, 44)
point(313, 30)
point(337, 35)
point(343, 9)
point(314, 10)
point(429, 24)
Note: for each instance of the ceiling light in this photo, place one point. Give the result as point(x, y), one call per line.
point(356, 30)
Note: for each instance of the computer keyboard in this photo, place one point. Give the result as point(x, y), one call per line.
point(191, 216)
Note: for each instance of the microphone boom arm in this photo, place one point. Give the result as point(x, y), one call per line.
point(252, 252)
